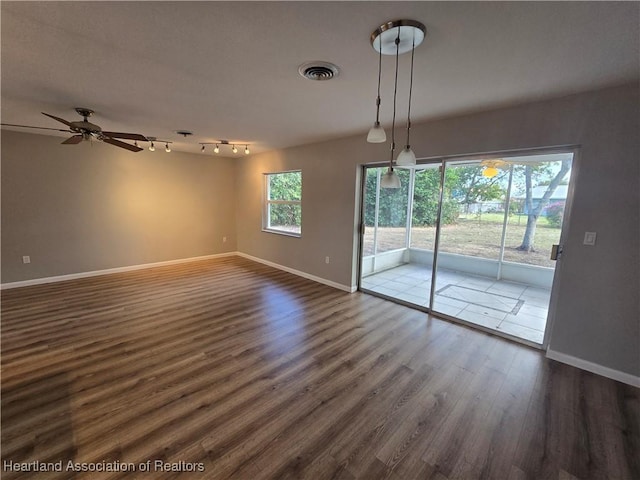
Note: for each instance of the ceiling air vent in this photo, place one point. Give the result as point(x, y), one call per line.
point(318, 70)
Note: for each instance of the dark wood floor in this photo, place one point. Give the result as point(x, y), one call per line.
point(255, 373)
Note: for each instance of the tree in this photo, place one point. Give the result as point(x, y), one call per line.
point(533, 213)
point(472, 187)
point(285, 186)
point(426, 197)
point(392, 208)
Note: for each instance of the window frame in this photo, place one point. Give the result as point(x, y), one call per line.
point(267, 202)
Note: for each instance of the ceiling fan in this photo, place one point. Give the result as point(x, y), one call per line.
point(86, 130)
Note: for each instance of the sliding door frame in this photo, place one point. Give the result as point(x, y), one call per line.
point(443, 160)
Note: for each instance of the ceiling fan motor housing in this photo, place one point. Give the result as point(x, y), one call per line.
point(88, 126)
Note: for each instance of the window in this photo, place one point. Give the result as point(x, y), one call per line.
point(283, 203)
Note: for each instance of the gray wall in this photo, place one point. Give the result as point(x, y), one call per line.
point(86, 207)
point(83, 208)
point(598, 314)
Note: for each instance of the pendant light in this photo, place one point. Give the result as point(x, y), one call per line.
point(396, 37)
point(377, 133)
point(407, 157)
point(390, 178)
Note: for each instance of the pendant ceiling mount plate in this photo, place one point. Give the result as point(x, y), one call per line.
point(383, 38)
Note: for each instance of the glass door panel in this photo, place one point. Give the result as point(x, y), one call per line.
point(493, 260)
point(424, 218)
point(398, 236)
point(471, 224)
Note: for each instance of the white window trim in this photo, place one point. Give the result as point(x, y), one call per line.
point(266, 203)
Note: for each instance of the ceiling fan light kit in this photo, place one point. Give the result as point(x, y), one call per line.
point(395, 38)
point(490, 169)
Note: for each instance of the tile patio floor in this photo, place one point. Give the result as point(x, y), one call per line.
point(513, 308)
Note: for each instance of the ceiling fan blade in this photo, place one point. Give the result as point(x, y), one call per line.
point(128, 136)
point(118, 143)
point(30, 126)
point(62, 120)
point(72, 140)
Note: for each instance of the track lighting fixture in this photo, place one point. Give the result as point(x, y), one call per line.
point(395, 38)
point(152, 145)
point(234, 148)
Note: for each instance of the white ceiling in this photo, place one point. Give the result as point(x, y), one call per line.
point(230, 69)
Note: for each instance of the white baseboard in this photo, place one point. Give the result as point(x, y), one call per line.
point(299, 273)
point(594, 368)
point(73, 276)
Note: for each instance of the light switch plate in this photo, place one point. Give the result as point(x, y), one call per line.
point(589, 238)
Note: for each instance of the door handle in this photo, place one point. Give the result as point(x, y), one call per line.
point(556, 251)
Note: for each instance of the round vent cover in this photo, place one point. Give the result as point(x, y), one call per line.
point(318, 70)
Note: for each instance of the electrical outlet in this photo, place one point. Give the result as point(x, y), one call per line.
point(26, 259)
point(589, 238)
point(326, 259)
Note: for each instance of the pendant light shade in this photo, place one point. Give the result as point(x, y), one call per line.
point(406, 157)
point(390, 179)
point(377, 134)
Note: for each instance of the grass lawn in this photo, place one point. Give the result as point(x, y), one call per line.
point(474, 236)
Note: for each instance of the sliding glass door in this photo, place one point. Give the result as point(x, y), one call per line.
point(469, 239)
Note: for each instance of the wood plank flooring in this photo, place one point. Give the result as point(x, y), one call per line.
point(249, 372)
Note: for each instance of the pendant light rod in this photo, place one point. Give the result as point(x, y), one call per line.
point(376, 133)
point(379, 79)
point(395, 94)
point(413, 49)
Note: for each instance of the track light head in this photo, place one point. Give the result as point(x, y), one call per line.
point(246, 150)
point(202, 149)
point(152, 147)
point(167, 148)
point(217, 149)
point(234, 149)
